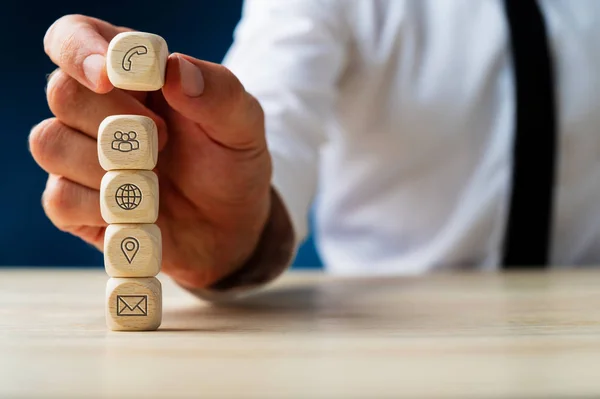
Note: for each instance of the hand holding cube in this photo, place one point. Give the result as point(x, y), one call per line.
point(215, 169)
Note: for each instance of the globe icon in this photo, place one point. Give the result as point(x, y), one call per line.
point(128, 196)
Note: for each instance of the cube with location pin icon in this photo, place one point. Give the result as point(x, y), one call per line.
point(132, 250)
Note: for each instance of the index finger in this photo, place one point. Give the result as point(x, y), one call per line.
point(78, 45)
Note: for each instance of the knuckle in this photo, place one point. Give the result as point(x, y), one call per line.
point(50, 33)
point(161, 125)
point(69, 54)
point(62, 93)
point(59, 201)
point(63, 23)
point(230, 91)
point(256, 111)
point(73, 18)
point(45, 141)
point(233, 89)
point(238, 97)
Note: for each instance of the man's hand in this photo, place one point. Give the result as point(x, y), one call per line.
point(214, 168)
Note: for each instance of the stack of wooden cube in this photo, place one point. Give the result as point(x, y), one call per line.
point(129, 198)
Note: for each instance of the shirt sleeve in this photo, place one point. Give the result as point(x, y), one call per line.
point(289, 54)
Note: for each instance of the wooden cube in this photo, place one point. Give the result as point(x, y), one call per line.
point(129, 196)
point(137, 61)
point(132, 250)
point(133, 304)
point(128, 142)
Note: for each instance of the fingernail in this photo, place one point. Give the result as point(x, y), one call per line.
point(191, 79)
point(92, 68)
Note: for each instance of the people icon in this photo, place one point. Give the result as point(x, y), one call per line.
point(125, 142)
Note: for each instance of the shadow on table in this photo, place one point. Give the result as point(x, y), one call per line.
point(310, 306)
point(455, 304)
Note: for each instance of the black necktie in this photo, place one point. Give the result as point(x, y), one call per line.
point(528, 234)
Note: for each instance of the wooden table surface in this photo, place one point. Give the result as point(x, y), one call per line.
point(460, 335)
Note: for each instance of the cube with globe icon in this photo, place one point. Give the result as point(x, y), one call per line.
point(129, 196)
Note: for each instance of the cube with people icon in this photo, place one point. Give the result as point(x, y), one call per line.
point(127, 142)
point(137, 61)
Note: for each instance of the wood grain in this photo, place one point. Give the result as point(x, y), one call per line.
point(518, 335)
point(137, 61)
point(132, 250)
point(129, 196)
point(127, 142)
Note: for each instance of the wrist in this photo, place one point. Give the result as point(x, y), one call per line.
point(271, 255)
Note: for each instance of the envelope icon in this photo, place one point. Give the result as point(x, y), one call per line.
point(132, 305)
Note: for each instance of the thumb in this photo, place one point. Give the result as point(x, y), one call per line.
point(213, 97)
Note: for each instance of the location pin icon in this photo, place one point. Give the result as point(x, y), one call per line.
point(130, 247)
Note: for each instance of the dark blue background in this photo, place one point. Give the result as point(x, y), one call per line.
point(201, 28)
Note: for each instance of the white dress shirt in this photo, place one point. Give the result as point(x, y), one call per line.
point(397, 118)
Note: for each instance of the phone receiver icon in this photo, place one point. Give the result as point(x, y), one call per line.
point(137, 50)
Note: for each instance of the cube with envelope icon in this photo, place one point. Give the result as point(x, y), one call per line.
point(134, 304)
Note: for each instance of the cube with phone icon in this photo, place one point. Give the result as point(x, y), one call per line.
point(137, 61)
